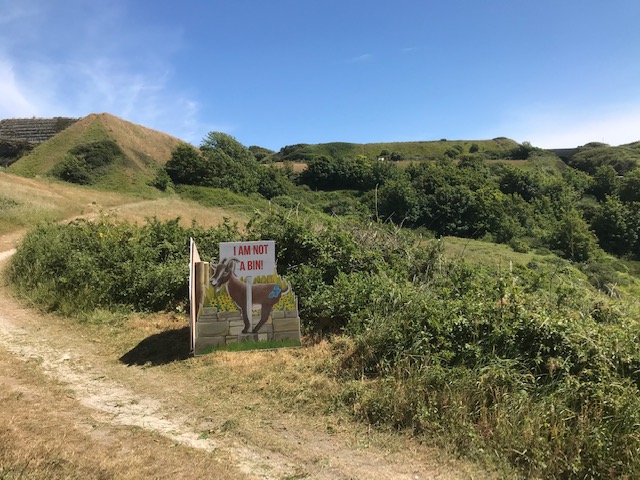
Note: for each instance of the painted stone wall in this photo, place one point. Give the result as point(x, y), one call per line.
point(217, 329)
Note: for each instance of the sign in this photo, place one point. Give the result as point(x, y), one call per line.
point(254, 258)
point(240, 299)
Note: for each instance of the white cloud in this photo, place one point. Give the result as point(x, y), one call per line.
point(13, 101)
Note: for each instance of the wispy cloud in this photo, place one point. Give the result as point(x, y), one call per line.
point(13, 103)
point(98, 68)
point(361, 58)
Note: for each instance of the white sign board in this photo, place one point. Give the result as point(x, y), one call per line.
point(255, 258)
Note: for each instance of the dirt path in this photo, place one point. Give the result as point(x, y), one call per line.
point(106, 392)
point(120, 405)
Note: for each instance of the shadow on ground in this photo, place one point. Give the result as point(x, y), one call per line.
point(159, 349)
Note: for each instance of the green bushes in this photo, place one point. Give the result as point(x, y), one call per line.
point(82, 266)
point(223, 162)
point(548, 378)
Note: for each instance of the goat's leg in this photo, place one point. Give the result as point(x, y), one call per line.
point(247, 323)
point(264, 316)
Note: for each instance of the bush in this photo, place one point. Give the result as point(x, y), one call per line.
point(81, 266)
point(86, 162)
point(531, 364)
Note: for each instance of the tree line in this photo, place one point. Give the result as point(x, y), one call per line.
point(576, 208)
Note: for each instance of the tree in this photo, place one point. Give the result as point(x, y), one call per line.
point(398, 200)
point(451, 210)
point(572, 237)
point(630, 186)
point(320, 173)
point(523, 151)
point(227, 144)
point(614, 226)
point(273, 181)
point(188, 166)
point(516, 180)
point(605, 182)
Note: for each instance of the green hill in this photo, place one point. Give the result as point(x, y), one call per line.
point(131, 154)
point(417, 151)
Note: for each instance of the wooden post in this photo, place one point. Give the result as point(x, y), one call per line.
point(202, 277)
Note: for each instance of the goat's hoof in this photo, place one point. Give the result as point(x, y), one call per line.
point(245, 331)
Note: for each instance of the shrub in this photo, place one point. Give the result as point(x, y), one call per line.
point(475, 358)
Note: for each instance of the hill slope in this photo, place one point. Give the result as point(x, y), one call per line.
point(143, 150)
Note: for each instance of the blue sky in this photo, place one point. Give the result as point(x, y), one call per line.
point(557, 73)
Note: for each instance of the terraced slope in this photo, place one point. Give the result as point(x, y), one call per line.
point(33, 130)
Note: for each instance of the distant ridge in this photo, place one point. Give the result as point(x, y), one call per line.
point(33, 130)
point(409, 151)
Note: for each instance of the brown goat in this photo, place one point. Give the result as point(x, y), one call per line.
point(264, 295)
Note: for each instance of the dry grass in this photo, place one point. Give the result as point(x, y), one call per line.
point(44, 433)
point(37, 200)
point(172, 207)
point(283, 400)
point(296, 166)
point(270, 411)
point(280, 403)
point(138, 142)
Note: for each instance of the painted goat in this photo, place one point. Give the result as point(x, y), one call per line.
point(264, 295)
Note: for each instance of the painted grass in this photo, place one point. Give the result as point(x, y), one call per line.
point(254, 345)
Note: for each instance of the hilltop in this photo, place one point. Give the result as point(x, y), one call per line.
point(138, 151)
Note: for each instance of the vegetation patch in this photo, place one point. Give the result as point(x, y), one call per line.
point(78, 267)
point(87, 162)
point(530, 357)
point(7, 204)
point(12, 150)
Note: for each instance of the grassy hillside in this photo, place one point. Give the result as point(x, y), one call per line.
point(143, 151)
point(589, 157)
point(26, 202)
point(406, 150)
